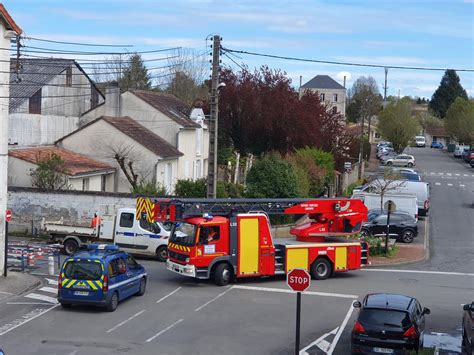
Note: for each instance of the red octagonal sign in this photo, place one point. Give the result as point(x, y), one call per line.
point(298, 280)
point(8, 215)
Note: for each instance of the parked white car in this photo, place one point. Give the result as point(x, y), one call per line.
point(401, 160)
point(459, 149)
point(420, 141)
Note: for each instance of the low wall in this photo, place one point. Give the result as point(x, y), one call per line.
point(30, 206)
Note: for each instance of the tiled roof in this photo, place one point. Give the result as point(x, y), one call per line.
point(322, 82)
point(8, 21)
point(76, 164)
point(436, 131)
point(143, 136)
point(168, 104)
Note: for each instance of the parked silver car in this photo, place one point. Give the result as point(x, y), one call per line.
point(401, 160)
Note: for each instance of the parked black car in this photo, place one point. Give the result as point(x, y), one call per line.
point(468, 328)
point(402, 224)
point(388, 323)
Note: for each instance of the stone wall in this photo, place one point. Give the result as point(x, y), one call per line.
point(30, 206)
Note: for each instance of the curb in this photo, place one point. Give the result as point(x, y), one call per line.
point(31, 287)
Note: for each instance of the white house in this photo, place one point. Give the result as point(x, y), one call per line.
point(168, 117)
point(104, 138)
point(330, 92)
point(83, 173)
point(47, 97)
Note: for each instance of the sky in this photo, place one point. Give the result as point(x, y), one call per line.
point(421, 33)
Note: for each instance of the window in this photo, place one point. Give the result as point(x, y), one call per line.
point(126, 220)
point(113, 268)
point(198, 169)
point(334, 110)
point(209, 234)
point(321, 97)
point(35, 103)
point(85, 184)
point(131, 262)
point(69, 76)
point(377, 135)
point(149, 226)
point(379, 317)
point(334, 97)
point(381, 219)
point(199, 132)
point(83, 270)
point(122, 266)
point(168, 177)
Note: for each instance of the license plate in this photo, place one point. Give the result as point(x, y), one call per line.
point(383, 350)
point(81, 293)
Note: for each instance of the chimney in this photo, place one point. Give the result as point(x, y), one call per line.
point(112, 100)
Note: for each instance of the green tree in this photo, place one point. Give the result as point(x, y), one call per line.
point(148, 188)
point(321, 158)
point(271, 177)
point(191, 188)
point(135, 74)
point(426, 120)
point(51, 173)
point(449, 89)
point(397, 125)
point(459, 121)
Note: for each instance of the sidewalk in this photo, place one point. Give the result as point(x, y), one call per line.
point(407, 254)
point(373, 164)
point(17, 283)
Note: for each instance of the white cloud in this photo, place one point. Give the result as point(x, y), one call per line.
point(343, 74)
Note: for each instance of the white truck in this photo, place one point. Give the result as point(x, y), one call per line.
point(404, 202)
point(123, 229)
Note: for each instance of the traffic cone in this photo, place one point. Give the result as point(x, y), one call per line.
point(31, 259)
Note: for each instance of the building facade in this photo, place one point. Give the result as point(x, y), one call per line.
point(330, 92)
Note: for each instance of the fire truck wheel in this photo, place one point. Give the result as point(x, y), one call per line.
point(222, 274)
point(321, 269)
point(162, 253)
point(70, 246)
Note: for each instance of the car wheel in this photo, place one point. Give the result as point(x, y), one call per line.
point(321, 269)
point(113, 303)
point(408, 236)
point(389, 163)
point(66, 305)
point(222, 274)
point(70, 246)
point(364, 233)
point(162, 253)
point(410, 165)
point(142, 288)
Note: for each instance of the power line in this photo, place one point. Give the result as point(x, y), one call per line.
point(76, 43)
point(343, 63)
point(59, 51)
point(241, 67)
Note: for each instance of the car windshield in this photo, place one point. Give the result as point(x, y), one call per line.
point(384, 317)
point(410, 176)
point(167, 226)
point(83, 270)
point(183, 234)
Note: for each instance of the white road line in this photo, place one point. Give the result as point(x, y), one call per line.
point(49, 289)
point(215, 298)
point(27, 320)
point(317, 341)
point(440, 173)
point(437, 183)
point(51, 281)
point(30, 303)
point(450, 184)
point(421, 272)
point(281, 290)
point(432, 173)
point(73, 352)
point(169, 294)
point(461, 185)
point(6, 293)
point(125, 321)
point(164, 330)
point(449, 174)
point(465, 174)
point(457, 174)
point(341, 329)
point(37, 296)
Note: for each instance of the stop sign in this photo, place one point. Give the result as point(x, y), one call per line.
point(8, 215)
point(298, 280)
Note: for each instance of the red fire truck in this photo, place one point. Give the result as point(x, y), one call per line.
point(224, 239)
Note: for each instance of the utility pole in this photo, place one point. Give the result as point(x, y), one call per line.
point(385, 86)
point(212, 159)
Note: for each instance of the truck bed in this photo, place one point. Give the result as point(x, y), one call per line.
point(54, 228)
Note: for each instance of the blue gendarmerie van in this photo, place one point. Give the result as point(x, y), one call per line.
point(101, 276)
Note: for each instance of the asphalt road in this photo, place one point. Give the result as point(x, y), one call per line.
point(179, 315)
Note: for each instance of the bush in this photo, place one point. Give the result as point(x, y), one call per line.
point(377, 246)
point(51, 173)
point(272, 177)
point(351, 187)
point(321, 158)
point(229, 190)
point(149, 189)
point(190, 188)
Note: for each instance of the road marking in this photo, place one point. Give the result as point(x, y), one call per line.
point(214, 299)
point(432, 173)
point(125, 321)
point(450, 184)
point(164, 330)
point(320, 341)
point(49, 289)
point(169, 294)
point(6, 293)
point(25, 319)
point(341, 329)
point(440, 173)
point(73, 352)
point(437, 183)
point(422, 272)
point(281, 290)
point(465, 175)
point(457, 174)
point(461, 185)
point(51, 281)
point(30, 303)
point(449, 174)
point(37, 296)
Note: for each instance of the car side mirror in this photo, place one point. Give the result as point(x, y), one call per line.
point(357, 304)
point(467, 307)
point(426, 310)
point(156, 230)
point(375, 222)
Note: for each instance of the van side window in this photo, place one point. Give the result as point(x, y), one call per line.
point(151, 227)
point(122, 267)
point(131, 262)
point(126, 220)
point(113, 268)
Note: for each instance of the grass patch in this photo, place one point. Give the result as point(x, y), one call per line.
point(377, 246)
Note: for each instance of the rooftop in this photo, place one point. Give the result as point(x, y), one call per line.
point(323, 82)
point(76, 164)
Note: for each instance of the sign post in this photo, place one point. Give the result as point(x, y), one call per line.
point(8, 218)
point(298, 280)
point(390, 207)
